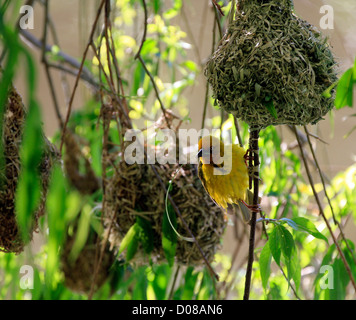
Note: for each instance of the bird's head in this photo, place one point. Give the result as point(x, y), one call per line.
point(210, 148)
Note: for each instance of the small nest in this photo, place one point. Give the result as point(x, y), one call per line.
point(79, 274)
point(14, 119)
point(135, 190)
point(271, 67)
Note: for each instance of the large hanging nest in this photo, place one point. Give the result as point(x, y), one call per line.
point(272, 67)
point(135, 191)
point(14, 119)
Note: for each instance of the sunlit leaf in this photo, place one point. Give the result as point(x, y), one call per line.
point(306, 225)
point(344, 91)
point(275, 245)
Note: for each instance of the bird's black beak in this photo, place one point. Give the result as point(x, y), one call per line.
point(200, 153)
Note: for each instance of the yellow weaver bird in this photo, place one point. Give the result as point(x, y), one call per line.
point(226, 182)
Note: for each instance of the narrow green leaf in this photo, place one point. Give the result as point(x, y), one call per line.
point(295, 269)
point(287, 241)
point(274, 245)
point(132, 247)
point(56, 209)
point(265, 264)
point(82, 233)
point(344, 91)
point(140, 287)
point(338, 292)
point(129, 237)
point(190, 280)
point(28, 190)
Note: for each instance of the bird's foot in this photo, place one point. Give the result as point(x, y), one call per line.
point(254, 207)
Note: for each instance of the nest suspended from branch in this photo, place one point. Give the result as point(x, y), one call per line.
point(79, 274)
point(14, 120)
point(271, 67)
point(135, 190)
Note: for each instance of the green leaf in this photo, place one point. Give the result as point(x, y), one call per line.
point(344, 90)
point(157, 6)
point(306, 225)
point(172, 12)
point(140, 288)
point(274, 245)
point(82, 233)
point(290, 222)
point(190, 280)
point(290, 254)
point(145, 234)
point(265, 264)
point(287, 241)
point(131, 236)
point(341, 279)
point(268, 103)
point(28, 190)
point(132, 247)
point(56, 209)
point(160, 283)
point(169, 237)
point(294, 269)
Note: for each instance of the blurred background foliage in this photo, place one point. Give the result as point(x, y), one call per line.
point(287, 264)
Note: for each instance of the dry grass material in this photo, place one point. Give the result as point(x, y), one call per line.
point(14, 119)
point(79, 274)
point(269, 58)
point(135, 190)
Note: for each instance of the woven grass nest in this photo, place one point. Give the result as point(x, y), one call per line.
point(272, 67)
point(79, 274)
point(14, 119)
point(135, 190)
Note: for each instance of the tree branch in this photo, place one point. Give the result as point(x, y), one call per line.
point(254, 164)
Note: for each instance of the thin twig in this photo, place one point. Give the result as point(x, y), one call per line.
point(327, 196)
point(47, 68)
point(80, 71)
point(163, 108)
point(144, 29)
point(138, 56)
point(84, 75)
point(171, 291)
point(218, 7)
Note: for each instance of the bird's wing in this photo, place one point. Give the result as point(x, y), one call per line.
point(203, 181)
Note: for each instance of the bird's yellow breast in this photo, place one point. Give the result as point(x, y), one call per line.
point(230, 187)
